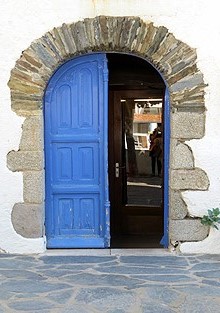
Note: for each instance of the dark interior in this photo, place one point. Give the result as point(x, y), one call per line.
point(143, 223)
point(130, 72)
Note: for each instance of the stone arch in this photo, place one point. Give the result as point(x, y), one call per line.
point(177, 63)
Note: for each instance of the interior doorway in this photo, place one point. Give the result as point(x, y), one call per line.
point(136, 145)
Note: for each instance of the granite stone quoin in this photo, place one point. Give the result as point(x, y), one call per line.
point(175, 60)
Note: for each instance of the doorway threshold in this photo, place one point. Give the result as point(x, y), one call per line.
point(106, 252)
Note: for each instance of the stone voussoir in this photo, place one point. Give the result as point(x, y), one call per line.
point(158, 39)
point(25, 160)
point(189, 179)
point(187, 230)
point(80, 36)
point(27, 219)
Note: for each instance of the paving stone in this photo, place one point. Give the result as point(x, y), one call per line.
point(31, 286)
point(155, 260)
point(164, 295)
point(198, 305)
point(164, 278)
point(30, 306)
point(5, 294)
point(5, 256)
point(106, 297)
point(75, 259)
point(109, 264)
point(60, 296)
point(152, 307)
point(14, 264)
point(209, 274)
point(87, 279)
point(206, 266)
point(21, 274)
point(211, 282)
point(209, 257)
point(75, 308)
point(2, 310)
point(116, 311)
point(201, 290)
point(140, 270)
point(58, 272)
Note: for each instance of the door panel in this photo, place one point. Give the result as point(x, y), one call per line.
point(77, 205)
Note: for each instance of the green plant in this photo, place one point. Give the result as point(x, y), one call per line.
point(212, 218)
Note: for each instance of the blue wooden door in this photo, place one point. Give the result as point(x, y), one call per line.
point(77, 205)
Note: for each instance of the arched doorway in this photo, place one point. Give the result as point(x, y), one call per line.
point(174, 59)
point(76, 144)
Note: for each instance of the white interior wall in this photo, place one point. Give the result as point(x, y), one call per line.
point(195, 22)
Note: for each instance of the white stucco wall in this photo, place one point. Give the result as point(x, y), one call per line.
point(195, 22)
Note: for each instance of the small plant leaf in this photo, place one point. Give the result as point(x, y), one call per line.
point(212, 218)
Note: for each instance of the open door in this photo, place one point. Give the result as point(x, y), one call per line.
point(136, 179)
point(76, 110)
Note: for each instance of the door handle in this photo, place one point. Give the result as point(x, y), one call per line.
point(117, 169)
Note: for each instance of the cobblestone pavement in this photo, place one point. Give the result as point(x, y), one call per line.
point(111, 283)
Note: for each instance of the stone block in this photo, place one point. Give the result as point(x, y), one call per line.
point(27, 220)
point(182, 157)
point(187, 230)
point(195, 179)
point(33, 186)
point(188, 82)
point(68, 39)
point(32, 135)
point(187, 125)
point(178, 208)
point(27, 107)
point(158, 38)
point(80, 37)
point(25, 160)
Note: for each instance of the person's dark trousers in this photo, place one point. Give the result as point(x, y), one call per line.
point(153, 165)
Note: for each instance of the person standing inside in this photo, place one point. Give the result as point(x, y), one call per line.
point(156, 152)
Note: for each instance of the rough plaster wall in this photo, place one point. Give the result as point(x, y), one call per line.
point(23, 21)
